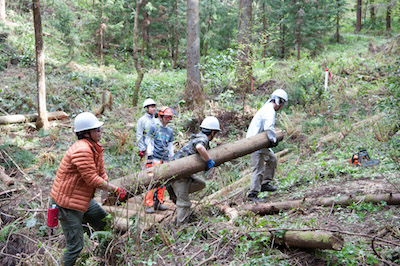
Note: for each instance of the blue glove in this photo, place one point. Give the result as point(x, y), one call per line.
point(210, 164)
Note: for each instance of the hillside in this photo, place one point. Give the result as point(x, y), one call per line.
point(323, 129)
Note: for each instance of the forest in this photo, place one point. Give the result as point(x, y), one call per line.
point(338, 61)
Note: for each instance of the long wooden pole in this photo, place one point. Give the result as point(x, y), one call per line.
point(187, 166)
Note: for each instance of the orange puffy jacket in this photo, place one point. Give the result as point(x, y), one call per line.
point(81, 171)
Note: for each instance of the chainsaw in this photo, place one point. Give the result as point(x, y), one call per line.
point(363, 159)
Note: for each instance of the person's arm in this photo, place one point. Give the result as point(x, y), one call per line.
point(269, 124)
point(149, 140)
point(206, 157)
point(203, 152)
point(139, 135)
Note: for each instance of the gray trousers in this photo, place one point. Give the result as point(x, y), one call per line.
point(182, 188)
point(263, 169)
point(71, 223)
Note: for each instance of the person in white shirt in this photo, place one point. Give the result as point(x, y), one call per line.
point(143, 127)
point(264, 161)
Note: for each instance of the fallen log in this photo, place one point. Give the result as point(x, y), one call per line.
point(231, 213)
point(11, 119)
point(275, 207)
point(310, 240)
point(8, 181)
point(155, 176)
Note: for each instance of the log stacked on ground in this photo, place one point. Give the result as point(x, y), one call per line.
point(274, 207)
point(11, 119)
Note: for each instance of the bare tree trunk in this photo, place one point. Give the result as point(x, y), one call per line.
point(244, 68)
point(41, 121)
point(283, 51)
point(358, 13)
point(299, 22)
point(101, 45)
point(338, 22)
point(175, 45)
point(2, 10)
point(388, 16)
point(193, 95)
point(138, 67)
point(372, 11)
point(264, 33)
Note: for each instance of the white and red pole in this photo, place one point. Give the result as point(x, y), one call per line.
point(326, 79)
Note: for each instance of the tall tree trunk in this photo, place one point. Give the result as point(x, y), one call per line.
point(358, 13)
point(338, 22)
point(244, 67)
point(283, 51)
point(145, 33)
point(175, 44)
point(138, 67)
point(388, 16)
point(299, 22)
point(2, 10)
point(42, 121)
point(101, 34)
point(193, 95)
point(264, 33)
point(372, 11)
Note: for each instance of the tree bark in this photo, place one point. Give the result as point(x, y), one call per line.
point(388, 16)
point(2, 10)
point(138, 67)
point(299, 22)
point(275, 207)
point(358, 14)
point(338, 22)
point(311, 240)
point(244, 70)
point(264, 33)
point(193, 95)
point(10, 119)
point(155, 176)
point(41, 121)
point(175, 40)
point(372, 11)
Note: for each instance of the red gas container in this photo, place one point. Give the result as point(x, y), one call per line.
point(52, 216)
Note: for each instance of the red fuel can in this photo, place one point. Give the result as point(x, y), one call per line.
point(52, 216)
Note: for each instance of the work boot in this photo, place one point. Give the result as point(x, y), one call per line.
point(149, 210)
point(268, 187)
point(171, 193)
point(158, 206)
point(254, 197)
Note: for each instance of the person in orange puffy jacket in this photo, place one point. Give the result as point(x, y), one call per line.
point(81, 171)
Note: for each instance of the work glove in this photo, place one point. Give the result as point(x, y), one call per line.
point(141, 154)
point(273, 143)
point(210, 164)
point(121, 194)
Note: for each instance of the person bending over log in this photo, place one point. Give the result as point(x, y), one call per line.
point(81, 171)
point(179, 190)
point(264, 161)
point(160, 149)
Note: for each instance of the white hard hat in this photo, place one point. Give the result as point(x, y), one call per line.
point(211, 123)
point(85, 121)
point(148, 102)
point(281, 94)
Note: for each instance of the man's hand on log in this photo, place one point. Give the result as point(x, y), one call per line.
point(210, 164)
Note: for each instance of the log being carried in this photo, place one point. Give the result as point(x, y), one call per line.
point(187, 166)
